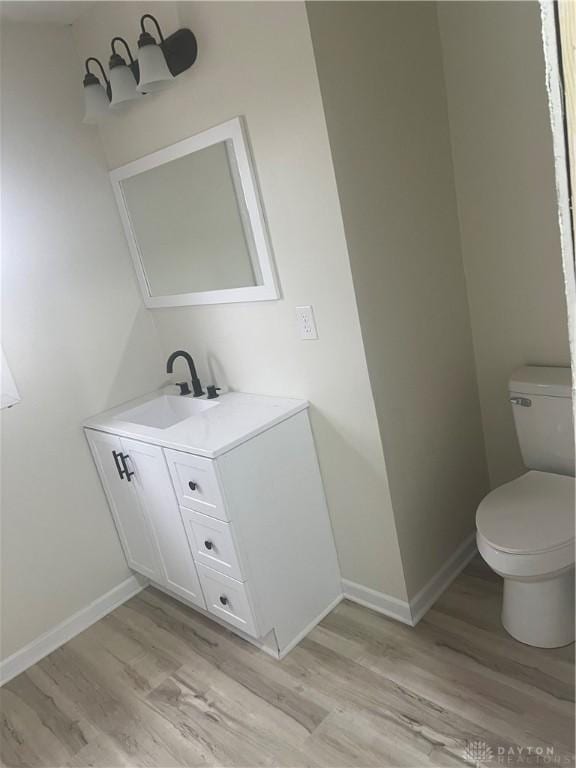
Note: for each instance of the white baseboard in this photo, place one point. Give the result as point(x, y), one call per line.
point(411, 612)
point(430, 592)
point(61, 633)
point(377, 601)
point(401, 610)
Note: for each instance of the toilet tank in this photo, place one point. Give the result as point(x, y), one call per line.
point(542, 406)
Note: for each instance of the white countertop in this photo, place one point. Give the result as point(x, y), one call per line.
point(236, 417)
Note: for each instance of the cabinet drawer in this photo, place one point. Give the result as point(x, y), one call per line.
point(227, 599)
point(196, 483)
point(212, 543)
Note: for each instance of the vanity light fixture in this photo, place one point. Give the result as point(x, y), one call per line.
point(154, 72)
point(123, 78)
point(96, 96)
point(157, 66)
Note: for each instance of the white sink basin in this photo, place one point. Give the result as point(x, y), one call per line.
point(165, 411)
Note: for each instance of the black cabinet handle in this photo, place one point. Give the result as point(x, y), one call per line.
point(223, 600)
point(208, 544)
point(117, 462)
point(192, 485)
point(121, 466)
point(127, 472)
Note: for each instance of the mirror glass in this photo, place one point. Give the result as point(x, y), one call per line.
point(191, 224)
point(194, 221)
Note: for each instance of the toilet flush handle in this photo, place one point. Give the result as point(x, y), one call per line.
point(525, 402)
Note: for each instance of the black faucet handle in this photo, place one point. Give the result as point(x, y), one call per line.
point(184, 388)
point(212, 391)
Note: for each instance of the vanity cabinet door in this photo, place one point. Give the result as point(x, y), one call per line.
point(151, 481)
point(132, 524)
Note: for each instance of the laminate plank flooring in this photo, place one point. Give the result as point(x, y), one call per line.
point(156, 684)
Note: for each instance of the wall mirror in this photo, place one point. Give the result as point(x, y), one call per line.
point(194, 222)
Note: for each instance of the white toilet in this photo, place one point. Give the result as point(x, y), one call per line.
point(525, 529)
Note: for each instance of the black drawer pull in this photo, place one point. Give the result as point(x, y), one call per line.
point(208, 544)
point(120, 461)
point(223, 600)
point(192, 485)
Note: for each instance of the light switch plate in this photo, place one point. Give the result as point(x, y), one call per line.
point(306, 323)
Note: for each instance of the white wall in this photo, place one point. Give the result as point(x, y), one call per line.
point(256, 60)
point(380, 71)
point(504, 171)
point(74, 332)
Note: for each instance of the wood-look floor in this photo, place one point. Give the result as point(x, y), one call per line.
point(155, 684)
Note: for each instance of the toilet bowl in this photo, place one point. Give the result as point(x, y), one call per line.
point(525, 532)
point(525, 528)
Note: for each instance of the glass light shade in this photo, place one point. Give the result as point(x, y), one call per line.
point(123, 85)
point(154, 72)
point(96, 104)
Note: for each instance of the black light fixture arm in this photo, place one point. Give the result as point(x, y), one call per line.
point(180, 48)
point(87, 63)
point(125, 44)
point(152, 18)
point(91, 79)
point(117, 61)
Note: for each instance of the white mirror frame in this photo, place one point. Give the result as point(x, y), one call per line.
point(233, 133)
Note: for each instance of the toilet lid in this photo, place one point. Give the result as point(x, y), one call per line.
point(534, 513)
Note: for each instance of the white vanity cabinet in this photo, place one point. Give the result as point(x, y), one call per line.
point(230, 519)
point(139, 491)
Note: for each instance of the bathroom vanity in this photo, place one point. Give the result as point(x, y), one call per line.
point(220, 503)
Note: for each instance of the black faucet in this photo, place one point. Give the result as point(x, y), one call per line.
point(196, 385)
